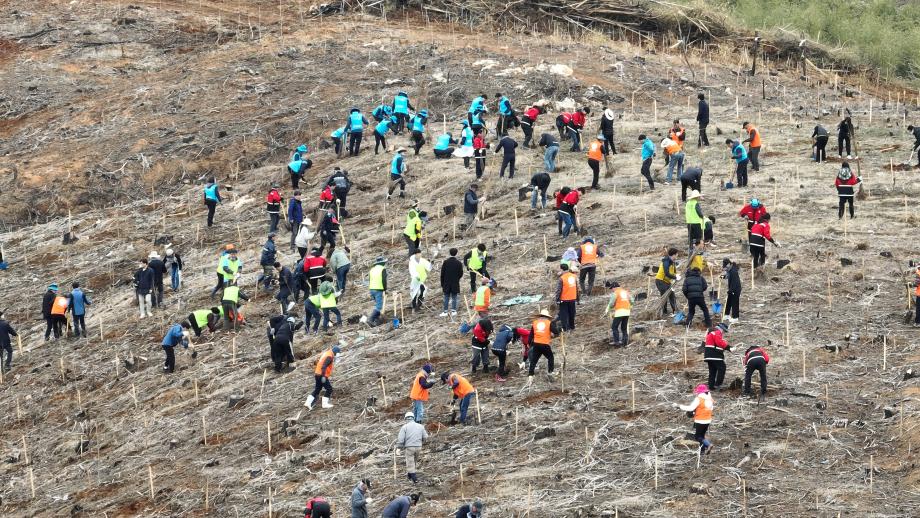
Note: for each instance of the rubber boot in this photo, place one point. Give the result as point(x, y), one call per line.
point(326, 403)
point(309, 403)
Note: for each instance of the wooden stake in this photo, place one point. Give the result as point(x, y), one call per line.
point(62, 369)
point(788, 338)
point(19, 343)
point(545, 248)
point(633, 398)
point(737, 111)
point(516, 421)
point(685, 346)
point(196, 391)
point(134, 395)
point(478, 410)
point(204, 430)
point(871, 470)
point(462, 495)
point(394, 464)
point(383, 388)
point(885, 352)
point(339, 455)
point(206, 488)
point(32, 481)
point(803, 364)
point(744, 498)
point(150, 479)
point(517, 231)
point(269, 502)
point(655, 103)
point(645, 219)
point(656, 470)
point(233, 345)
point(268, 432)
point(752, 273)
point(25, 450)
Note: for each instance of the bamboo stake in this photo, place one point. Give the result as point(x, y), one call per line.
point(206, 488)
point(885, 352)
point(25, 450)
point(427, 347)
point(150, 479)
point(545, 248)
point(685, 346)
point(339, 455)
point(269, 502)
point(788, 338)
point(478, 410)
point(633, 398)
point(134, 395)
point(19, 343)
point(32, 481)
point(656, 470)
point(383, 387)
point(268, 431)
point(394, 464)
point(744, 497)
point(233, 346)
point(63, 378)
point(462, 495)
point(871, 470)
point(517, 231)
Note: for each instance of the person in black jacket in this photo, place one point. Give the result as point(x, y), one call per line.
point(328, 229)
point(6, 344)
point(473, 510)
point(819, 138)
point(733, 303)
point(539, 182)
point(47, 303)
point(606, 130)
point(695, 290)
point(281, 330)
point(341, 186)
point(143, 287)
point(915, 147)
point(507, 145)
point(702, 117)
point(286, 286)
point(844, 133)
point(158, 267)
point(692, 177)
point(451, 273)
point(470, 206)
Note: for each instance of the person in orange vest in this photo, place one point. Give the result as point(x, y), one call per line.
point(321, 374)
point(595, 155)
point(418, 393)
point(542, 330)
point(701, 408)
point(677, 133)
point(754, 139)
point(59, 315)
point(673, 152)
point(567, 297)
point(480, 343)
point(588, 253)
point(483, 297)
point(621, 302)
point(917, 297)
point(463, 390)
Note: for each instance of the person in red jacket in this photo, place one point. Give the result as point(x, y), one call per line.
point(846, 183)
point(752, 212)
point(714, 355)
point(480, 343)
point(273, 207)
point(559, 196)
point(760, 234)
point(755, 359)
point(562, 124)
point(527, 123)
point(523, 334)
point(326, 198)
point(314, 268)
point(576, 124)
point(479, 153)
point(569, 211)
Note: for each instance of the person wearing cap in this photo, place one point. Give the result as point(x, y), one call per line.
point(695, 290)
point(740, 156)
point(295, 215)
point(665, 277)
point(539, 184)
point(314, 267)
point(477, 261)
point(340, 265)
point(401, 107)
point(412, 233)
point(755, 359)
point(380, 133)
point(281, 329)
point(754, 141)
point(173, 263)
point(418, 129)
point(576, 125)
point(474, 113)
point(733, 278)
point(360, 499)
point(675, 156)
point(59, 314)
point(507, 145)
point(303, 237)
point(760, 234)
point(443, 146)
point(399, 507)
point(621, 301)
point(528, 120)
point(693, 215)
point(177, 334)
point(356, 124)
point(714, 355)
point(267, 261)
point(205, 318)
point(606, 130)
point(410, 439)
point(377, 284)
point(299, 165)
point(321, 374)
point(702, 117)
point(648, 153)
point(419, 268)
point(462, 390)
point(211, 198)
point(482, 299)
point(229, 268)
point(847, 184)
point(752, 212)
point(230, 302)
point(328, 230)
point(471, 206)
point(398, 170)
point(480, 344)
point(143, 287)
point(551, 144)
point(418, 392)
point(567, 296)
point(273, 207)
point(471, 510)
point(328, 302)
point(691, 178)
point(451, 274)
point(701, 409)
point(542, 330)
point(6, 342)
point(595, 155)
point(156, 265)
point(76, 305)
point(588, 253)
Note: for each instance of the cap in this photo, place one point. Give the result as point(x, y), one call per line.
point(723, 326)
point(726, 262)
point(409, 415)
point(694, 194)
point(755, 202)
point(53, 287)
point(336, 349)
point(302, 148)
point(400, 150)
point(169, 251)
point(701, 388)
point(427, 368)
point(380, 260)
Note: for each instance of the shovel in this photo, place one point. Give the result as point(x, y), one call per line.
point(911, 157)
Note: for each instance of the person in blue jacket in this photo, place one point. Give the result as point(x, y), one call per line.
point(401, 107)
point(399, 506)
point(267, 261)
point(382, 112)
point(211, 198)
point(177, 334)
point(397, 172)
point(474, 114)
point(418, 129)
point(380, 134)
point(648, 153)
point(77, 307)
point(295, 216)
point(442, 147)
point(505, 115)
point(739, 154)
point(337, 136)
point(298, 165)
point(356, 125)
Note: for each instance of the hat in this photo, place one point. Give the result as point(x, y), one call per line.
point(423, 113)
point(694, 194)
point(465, 123)
point(272, 234)
point(723, 326)
point(302, 148)
point(153, 255)
point(170, 251)
point(409, 415)
point(380, 260)
point(608, 113)
point(444, 377)
point(755, 202)
point(701, 388)
point(544, 313)
point(53, 287)
point(726, 262)
point(400, 150)
point(427, 368)
point(336, 349)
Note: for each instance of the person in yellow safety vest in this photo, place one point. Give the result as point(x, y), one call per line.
point(413, 231)
point(229, 268)
point(329, 304)
point(205, 318)
point(483, 298)
point(621, 301)
point(667, 274)
point(418, 274)
point(321, 374)
point(595, 155)
point(567, 297)
point(476, 262)
point(917, 297)
point(588, 253)
point(377, 284)
point(231, 303)
point(312, 313)
point(693, 214)
point(418, 393)
point(698, 261)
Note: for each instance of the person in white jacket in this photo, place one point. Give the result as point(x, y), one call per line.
point(701, 406)
point(419, 267)
point(303, 237)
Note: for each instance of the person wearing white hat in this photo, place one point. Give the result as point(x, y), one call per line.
point(173, 265)
point(606, 130)
point(411, 437)
point(693, 215)
point(158, 267)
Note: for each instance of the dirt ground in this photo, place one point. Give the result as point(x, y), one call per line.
point(114, 113)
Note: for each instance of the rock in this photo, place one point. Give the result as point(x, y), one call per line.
point(885, 253)
point(544, 433)
point(449, 209)
point(371, 64)
point(834, 348)
point(641, 296)
point(782, 263)
point(255, 473)
point(910, 374)
point(439, 77)
point(211, 463)
point(566, 104)
point(845, 262)
point(700, 488)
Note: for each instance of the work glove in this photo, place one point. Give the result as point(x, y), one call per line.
point(776, 244)
point(677, 277)
point(324, 379)
point(368, 500)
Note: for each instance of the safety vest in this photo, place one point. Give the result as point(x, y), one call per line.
point(314, 299)
point(421, 270)
point(481, 302)
point(357, 122)
point(375, 277)
point(476, 105)
point(382, 111)
point(621, 305)
point(322, 359)
point(569, 286)
point(672, 270)
point(232, 294)
point(463, 387)
point(60, 305)
point(588, 253)
point(418, 393)
point(917, 289)
point(396, 165)
point(690, 214)
point(698, 262)
point(702, 413)
point(338, 133)
point(475, 262)
point(295, 166)
point(401, 104)
point(383, 127)
point(504, 106)
point(233, 265)
point(210, 192)
point(443, 142)
point(201, 317)
point(327, 301)
point(596, 150)
point(754, 135)
point(477, 119)
point(466, 137)
point(673, 148)
point(418, 124)
point(413, 225)
point(541, 331)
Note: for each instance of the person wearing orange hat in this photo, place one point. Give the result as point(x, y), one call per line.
point(701, 410)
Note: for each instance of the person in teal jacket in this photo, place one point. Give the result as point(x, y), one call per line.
point(418, 129)
point(337, 140)
point(401, 107)
point(442, 147)
point(741, 160)
point(380, 134)
point(648, 152)
point(382, 112)
point(211, 198)
point(356, 125)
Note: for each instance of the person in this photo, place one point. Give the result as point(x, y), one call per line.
point(692, 178)
point(695, 290)
point(528, 120)
point(476, 261)
point(399, 507)
point(505, 115)
point(337, 135)
point(442, 146)
point(567, 295)
point(693, 215)
point(273, 207)
point(401, 107)
point(542, 330)
point(156, 265)
point(606, 131)
point(304, 235)
point(466, 143)
point(413, 231)
point(77, 307)
point(552, 150)
point(311, 312)
point(173, 263)
point(329, 304)
point(377, 284)
point(523, 334)
point(754, 148)
point(286, 287)
point(621, 301)
point(341, 186)
point(418, 129)
point(595, 155)
point(569, 211)
point(733, 278)
point(6, 343)
point(708, 233)
point(558, 197)
point(917, 296)
point(295, 216)
point(470, 206)
point(677, 133)
point(503, 337)
point(211, 198)
point(480, 344)
point(755, 359)
point(205, 318)
point(267, 261)
point(419, 268)
point(229, 268)
point(360, 499)
point(701, 406)
point(846, 184)
point(472, 510)
point(752, 212)
point(317, 507)
point(462, 389)
point(418, 392)
point(665, 277)
point(340, 264)
point(177, 334)
point(479, 153)
point(299, 152)
point(675, 156)
point(143, 287)
point(474, 113)
point(321, 374)
point(451, 273)
point(483, 297)
point(230, 301)
point(740, 156)
point(570, 258)
point(410, 439)
point(760, 234)
point(819, 140)
point(576, 124)
point(314, 266)
point(328, 230)
point(380, 133)
point(356, 124)
point(299, 165)
point(507, 145)
point(588, 253)
point(702, 117)
point(398, 170)
point(539, 183)
point(714, 355)
point(382, 112)
point(281, 329)
point(59, 315)
point(648, 153)
point(562, 124)
point(915, 147)
point(844, 133)
point(47, 304)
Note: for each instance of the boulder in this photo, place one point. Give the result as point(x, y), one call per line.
point(544, 434)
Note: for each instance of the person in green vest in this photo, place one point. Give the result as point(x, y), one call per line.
point(328, 303)
point(229, 268)
point(413, 231)
point(377, 284)
point(231, 304)
point(475, 261)
point(695, 220)
point(419, 267)
point(311, 311)
point(206, 318)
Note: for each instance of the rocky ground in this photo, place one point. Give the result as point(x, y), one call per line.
point(114, 114)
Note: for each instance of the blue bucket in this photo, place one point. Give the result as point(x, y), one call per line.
point(465, 328)
point(679, 317)
point(717, 308)
point(396, 323)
